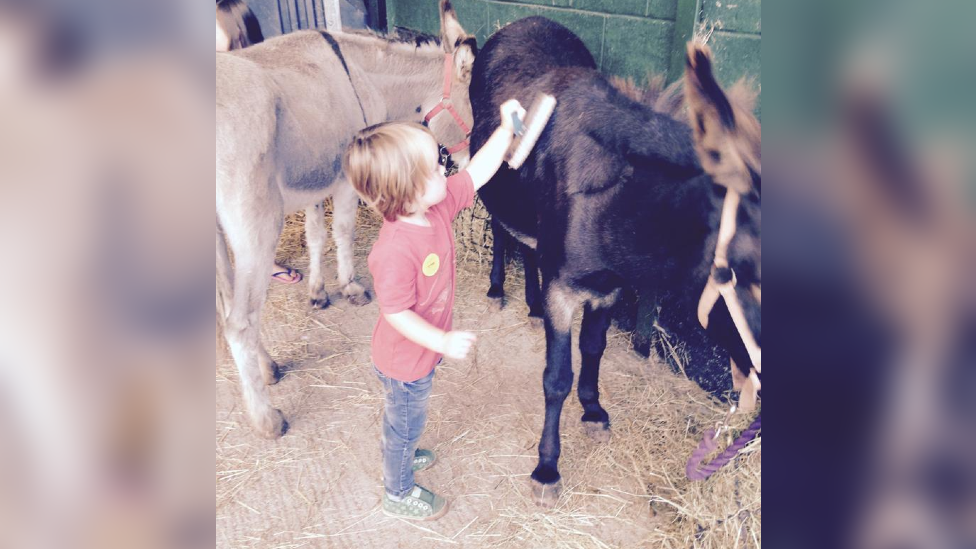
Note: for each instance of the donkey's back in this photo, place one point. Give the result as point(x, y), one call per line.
point(292, 93)
point(523, 51)
point(585, 145)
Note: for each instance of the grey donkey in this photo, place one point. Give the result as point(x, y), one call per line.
point(286, 109)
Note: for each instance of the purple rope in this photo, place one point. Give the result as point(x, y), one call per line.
point(696, 471)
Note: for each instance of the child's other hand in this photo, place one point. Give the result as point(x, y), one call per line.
point(456, 344)
point(509, 107)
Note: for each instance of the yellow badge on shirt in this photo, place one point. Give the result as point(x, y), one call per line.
point(431, 264)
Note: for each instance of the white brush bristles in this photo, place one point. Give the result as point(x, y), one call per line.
point(535, 121)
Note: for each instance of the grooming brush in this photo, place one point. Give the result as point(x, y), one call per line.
point(527, 131)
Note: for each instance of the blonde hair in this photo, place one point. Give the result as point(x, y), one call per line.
point(388, 165)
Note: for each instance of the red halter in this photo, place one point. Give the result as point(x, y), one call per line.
point(445, 104)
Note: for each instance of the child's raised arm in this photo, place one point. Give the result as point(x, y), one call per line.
point(489, 158)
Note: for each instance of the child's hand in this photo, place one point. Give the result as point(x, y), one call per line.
point(456, 344)
point(507, 108)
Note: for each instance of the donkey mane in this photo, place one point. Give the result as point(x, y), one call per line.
point(667, 100)
point(743, 94)
point(399, 36)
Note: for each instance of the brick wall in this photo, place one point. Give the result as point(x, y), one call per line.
point(626, 37)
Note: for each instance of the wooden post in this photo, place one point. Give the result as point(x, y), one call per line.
point(333, 21)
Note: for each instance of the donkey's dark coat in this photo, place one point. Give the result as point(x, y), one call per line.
point(614, 193)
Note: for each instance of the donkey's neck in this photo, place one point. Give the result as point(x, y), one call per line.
point(678, 221)
point(409, 78)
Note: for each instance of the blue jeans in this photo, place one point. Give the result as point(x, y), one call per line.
point(404, 419)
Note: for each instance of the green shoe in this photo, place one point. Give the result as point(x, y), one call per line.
point(423, 459)
point(419, 504)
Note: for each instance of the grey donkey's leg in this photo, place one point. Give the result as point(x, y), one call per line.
point(316, 235)
point(252, 237)
point(225, 282)
point(345, 202)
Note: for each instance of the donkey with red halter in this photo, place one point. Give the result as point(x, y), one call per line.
point(286, 109)
point(616, 193)
point(237, 26)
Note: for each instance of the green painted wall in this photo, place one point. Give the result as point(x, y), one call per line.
point(626, 37)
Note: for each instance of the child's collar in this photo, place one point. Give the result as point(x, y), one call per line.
point(418, 218)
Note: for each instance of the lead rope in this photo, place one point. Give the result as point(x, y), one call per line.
point(694, 469)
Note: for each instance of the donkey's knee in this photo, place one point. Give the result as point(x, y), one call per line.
point(558, 388)
point(557, 380)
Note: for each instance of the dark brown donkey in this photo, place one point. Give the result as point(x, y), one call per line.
point(616, 193)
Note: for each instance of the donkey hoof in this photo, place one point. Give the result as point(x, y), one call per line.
point(273, 425)
point(272, 373)
point(546, 495)
point(598, 431)
point(536, 322)
point(320, 302)
point(356, 294)
point(496, 304)
point(359, 299)
point(641, 345)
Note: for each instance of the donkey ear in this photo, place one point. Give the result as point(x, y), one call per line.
point(883, 156)
point(464, 59)
point(457, 42)
point(706, 99)
point(727, 146)
point(452, 33)
point(223, 41)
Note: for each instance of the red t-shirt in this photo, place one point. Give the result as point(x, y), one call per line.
point(413, 268)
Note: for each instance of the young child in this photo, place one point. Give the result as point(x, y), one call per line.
point(394, 168)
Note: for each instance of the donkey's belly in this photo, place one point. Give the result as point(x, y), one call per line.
point(529, 241)
point(513, 207)
point(299, 198)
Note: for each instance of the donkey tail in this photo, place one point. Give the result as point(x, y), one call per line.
point(225, 280)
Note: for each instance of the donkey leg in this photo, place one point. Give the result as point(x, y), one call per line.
point(225, 279)
point(316, 235)
point(270, 371)
point(345, 203)
point(533, 294)
point(593, 341)
point(557, 382)
point(242, 333)
point(253, 244)
point(496, 293)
